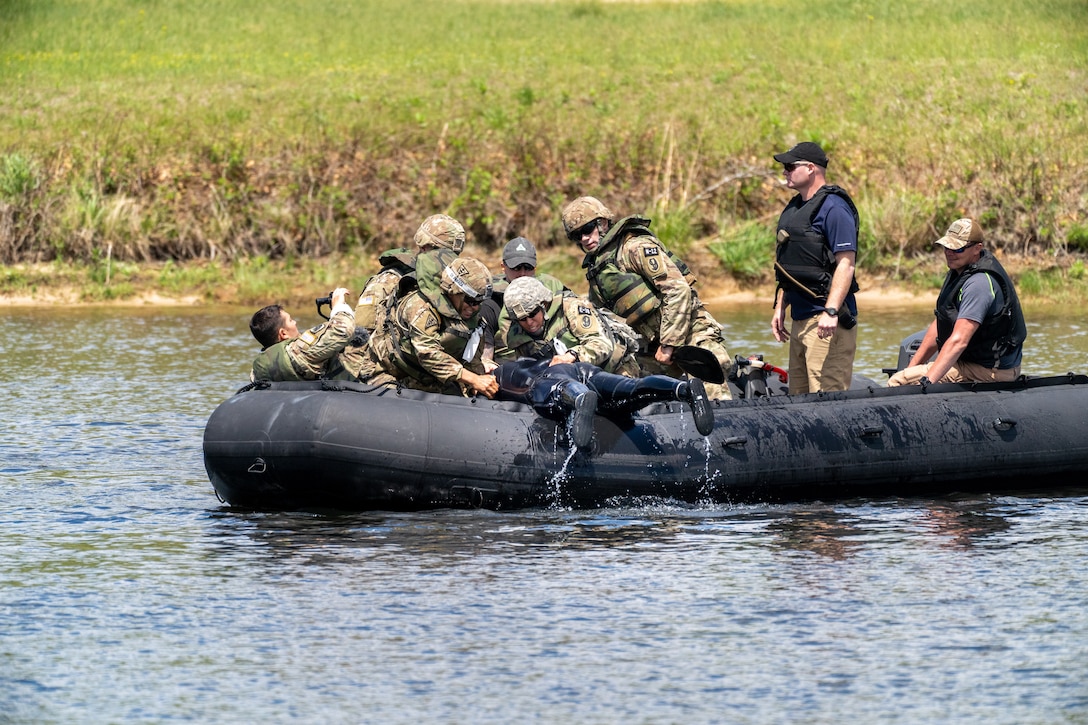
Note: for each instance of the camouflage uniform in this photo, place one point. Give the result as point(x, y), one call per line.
point(570, 325)
point(633, 274)
point(423, 342)
point(437, 232)
point(395, 264)
point(354, 361)
point(309, 356)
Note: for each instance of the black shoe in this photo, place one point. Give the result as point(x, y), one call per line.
point(585, 408)
point(700, 407)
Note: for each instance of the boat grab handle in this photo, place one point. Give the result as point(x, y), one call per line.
point(1004, 424)
point(735, 442)
point(872, 431)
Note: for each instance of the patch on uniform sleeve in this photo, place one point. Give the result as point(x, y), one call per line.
point(367, 300)
point(423, 319)
point(584, 310)
point(310, 336)
point(651, 258)
point(587, 321)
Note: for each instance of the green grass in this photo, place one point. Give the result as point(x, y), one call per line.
point(743, 252)
point(220, 131)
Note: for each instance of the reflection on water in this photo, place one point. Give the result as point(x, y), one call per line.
point(128, 592)
point(839, 534)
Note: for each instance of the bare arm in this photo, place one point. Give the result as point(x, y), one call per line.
point(778, 319)
point(840, 287)
point(952, 349)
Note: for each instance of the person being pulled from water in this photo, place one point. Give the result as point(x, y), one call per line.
point(578, 391)
point(562, 386)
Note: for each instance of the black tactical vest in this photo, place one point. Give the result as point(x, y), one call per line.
point(628, 294)
point(804, 260)
point(998, 335)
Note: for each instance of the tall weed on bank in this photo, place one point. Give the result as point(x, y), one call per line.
point(213, 131)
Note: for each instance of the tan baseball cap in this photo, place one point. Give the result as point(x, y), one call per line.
point(961, 233)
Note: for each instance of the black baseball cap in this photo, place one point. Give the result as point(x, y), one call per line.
point(518, 251)
point(804, 151)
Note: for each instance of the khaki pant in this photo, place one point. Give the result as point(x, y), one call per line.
point(961, 372)
point(820, 365)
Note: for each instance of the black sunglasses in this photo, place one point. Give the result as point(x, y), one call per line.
point(524, 268)
point(791, 167)
point(577, 234)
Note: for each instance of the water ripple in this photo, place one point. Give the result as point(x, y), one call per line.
point(128, 592)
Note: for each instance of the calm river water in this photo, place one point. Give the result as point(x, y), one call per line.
point(129, 593)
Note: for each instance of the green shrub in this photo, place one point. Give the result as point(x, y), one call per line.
point(18, 176)
point(1077, 238)
point(675, 229)
point(1031, 283)
point(746, 251)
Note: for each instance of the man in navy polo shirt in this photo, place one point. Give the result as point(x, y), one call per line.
point(814, 265)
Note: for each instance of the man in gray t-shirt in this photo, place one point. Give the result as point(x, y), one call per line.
point(979, 330)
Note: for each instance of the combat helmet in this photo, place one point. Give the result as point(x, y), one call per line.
point(524, 296)
point(468, 276)
point(440, 231)
point(582, 211)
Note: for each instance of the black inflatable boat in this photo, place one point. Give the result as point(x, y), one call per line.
point(327, 445)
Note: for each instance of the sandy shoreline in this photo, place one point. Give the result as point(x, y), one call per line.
point(874, 297)
point(715, 290)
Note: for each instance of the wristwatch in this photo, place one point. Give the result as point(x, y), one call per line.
point(833, 311)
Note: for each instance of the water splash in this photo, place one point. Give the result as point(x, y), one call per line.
point(710, 479)
point(563, 476)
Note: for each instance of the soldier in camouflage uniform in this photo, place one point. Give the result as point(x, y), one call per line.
point(631, 273)
point(431, 339)
point(287, 355)
point(538, 323)
point(437, 232)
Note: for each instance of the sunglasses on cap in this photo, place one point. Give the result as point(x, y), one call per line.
point(576, 234)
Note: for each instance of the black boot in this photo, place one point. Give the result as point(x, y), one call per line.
point(693, 393)
point(582, 404)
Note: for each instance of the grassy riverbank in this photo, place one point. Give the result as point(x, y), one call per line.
point(296, 282)
point(206, 150)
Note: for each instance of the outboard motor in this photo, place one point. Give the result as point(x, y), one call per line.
point(749, 374)
point(756, 384)
point(907, 348)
